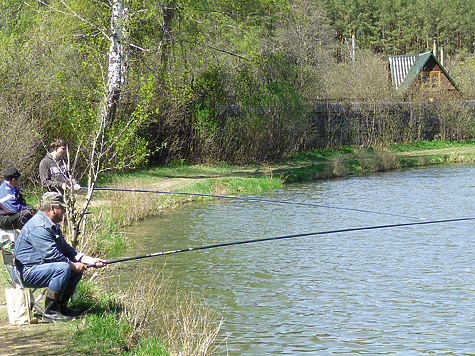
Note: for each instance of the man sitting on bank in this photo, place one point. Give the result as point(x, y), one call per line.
point(14, 213)
point(45, 259)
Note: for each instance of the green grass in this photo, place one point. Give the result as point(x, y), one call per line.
point(237, 185)
point(321, 164)
point(429, 145)
point(109, 239)
point(305, 173)
point(112, 333)
point(345, 151)
point(105, 334)
point(106, 328)
point(303, 166)
point(320, 154)
point(150, 346)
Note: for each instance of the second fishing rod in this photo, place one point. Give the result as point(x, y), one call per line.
point(254, 199)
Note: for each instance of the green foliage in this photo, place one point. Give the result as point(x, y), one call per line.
point(80, 127)
point(320, 154)
point(303, 174)
point(400, 27)
point(209, 95)
point(13, 25)
point(275, 123)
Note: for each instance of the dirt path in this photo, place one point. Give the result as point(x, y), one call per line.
point(35, 339)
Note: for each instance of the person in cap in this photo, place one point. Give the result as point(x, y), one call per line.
point(45, 260)
point(54, 174)
point(14, 213)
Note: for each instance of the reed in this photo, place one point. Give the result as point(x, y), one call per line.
point(337, 168)
point(151, 316)
point(189, 324)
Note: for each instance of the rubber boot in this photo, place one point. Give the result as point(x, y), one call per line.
point(52, 312)
point(64, 309)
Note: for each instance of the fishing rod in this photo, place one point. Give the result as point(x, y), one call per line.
point(253, 199)
point(281, 238)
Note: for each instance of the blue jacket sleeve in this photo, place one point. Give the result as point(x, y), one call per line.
point(11, 199)
point(13, 205)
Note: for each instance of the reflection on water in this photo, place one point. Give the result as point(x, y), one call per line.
point(399, 291)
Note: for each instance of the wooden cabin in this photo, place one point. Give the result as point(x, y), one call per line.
point(421, 77)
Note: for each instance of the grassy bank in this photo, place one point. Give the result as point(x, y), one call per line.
point(121, 321)
point(320, 164)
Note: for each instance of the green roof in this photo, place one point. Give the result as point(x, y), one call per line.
point(404, 69)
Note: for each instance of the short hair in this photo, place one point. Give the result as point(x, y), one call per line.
point(44, 207)
point(56, 143)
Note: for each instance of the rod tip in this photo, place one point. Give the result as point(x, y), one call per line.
point(422, 218)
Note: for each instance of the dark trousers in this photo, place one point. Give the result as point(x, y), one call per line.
point(16, 221)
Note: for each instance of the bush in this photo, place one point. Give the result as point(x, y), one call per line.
point(19, 142)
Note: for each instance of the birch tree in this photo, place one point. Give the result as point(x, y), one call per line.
point(103, 142)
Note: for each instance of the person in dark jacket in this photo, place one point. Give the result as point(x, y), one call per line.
point(14, 213)
point(54, 174)
point(45, 260)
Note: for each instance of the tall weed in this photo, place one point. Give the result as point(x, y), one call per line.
point(149, 315)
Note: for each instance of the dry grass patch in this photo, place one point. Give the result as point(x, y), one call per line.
point(338, 168)
point(181, 319)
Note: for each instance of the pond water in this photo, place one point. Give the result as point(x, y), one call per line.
point(394, 291)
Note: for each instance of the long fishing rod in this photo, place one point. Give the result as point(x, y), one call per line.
point(280, 238)
point(254, 199)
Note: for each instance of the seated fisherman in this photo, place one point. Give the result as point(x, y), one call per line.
point(45, 260)
point(14, 213)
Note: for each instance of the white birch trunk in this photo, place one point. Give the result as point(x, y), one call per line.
point(117, 71)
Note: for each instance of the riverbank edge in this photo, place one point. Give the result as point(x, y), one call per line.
point(373, 161)
point(50, 338)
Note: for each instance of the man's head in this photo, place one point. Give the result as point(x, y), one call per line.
point(54, 206)
point(58, 148)
point(12, 176)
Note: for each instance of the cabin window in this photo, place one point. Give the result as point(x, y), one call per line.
point(431, 80)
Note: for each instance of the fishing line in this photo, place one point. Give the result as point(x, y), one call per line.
point(281, 238)
point(256, 199)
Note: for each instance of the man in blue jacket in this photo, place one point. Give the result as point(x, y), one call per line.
point(45, 260)
point(14, 213)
